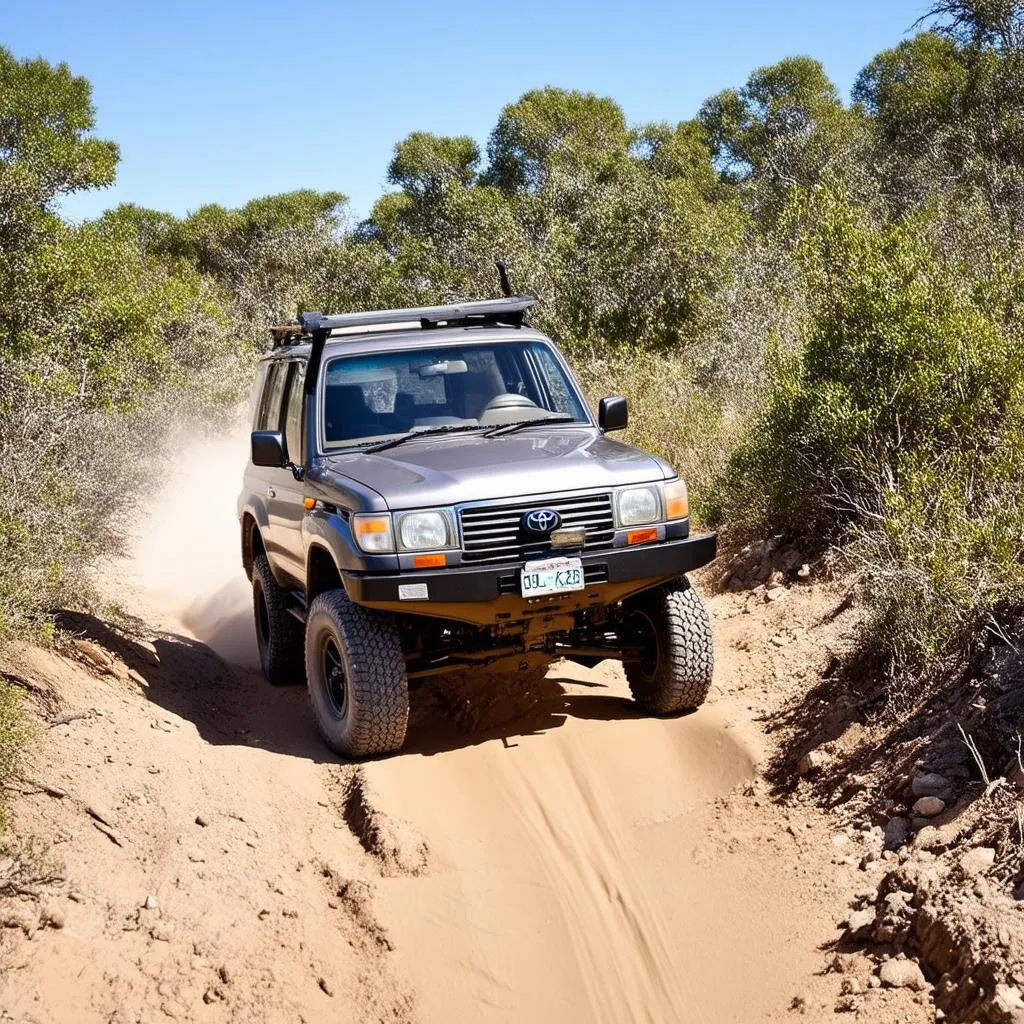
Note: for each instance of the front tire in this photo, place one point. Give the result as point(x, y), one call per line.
point(356, 674)
point(670, 624)
point(278, 633)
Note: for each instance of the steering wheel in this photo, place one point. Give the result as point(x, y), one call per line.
point(509, 401)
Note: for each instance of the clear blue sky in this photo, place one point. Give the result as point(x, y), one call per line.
point(222, 100)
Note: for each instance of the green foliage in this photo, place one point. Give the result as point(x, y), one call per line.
point(549, 131)
point(664, 393)
point(424, 164)
point(45, 149)
point(14, 733)
point(894, 419)
point(785, 128)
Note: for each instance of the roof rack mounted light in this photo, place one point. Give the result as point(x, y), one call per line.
point(509, 311)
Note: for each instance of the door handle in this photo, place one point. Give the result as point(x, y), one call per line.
point(271, 493)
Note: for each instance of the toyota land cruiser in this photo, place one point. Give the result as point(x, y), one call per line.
point(428, 491)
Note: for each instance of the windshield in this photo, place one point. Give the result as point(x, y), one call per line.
point(374, 397)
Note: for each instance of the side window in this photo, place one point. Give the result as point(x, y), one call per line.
point(270, 408)
point(558, 396)
point(293, 414)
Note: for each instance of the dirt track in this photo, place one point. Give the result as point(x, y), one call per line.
point(542, 855)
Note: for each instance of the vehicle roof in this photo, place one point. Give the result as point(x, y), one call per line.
point(404, 338)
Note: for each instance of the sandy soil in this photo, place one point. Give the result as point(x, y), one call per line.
point(538, 852)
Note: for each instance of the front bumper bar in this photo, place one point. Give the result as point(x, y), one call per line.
point(651, 561)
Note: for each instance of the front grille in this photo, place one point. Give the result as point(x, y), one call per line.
point(492, 533)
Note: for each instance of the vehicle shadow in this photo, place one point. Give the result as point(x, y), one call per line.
point(234, 705)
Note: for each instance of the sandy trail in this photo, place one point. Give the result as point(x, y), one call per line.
point(582, 862)
point(576, 873)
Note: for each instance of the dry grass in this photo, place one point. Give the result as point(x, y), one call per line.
point(691, 427)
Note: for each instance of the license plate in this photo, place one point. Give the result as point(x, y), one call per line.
point(552, 576)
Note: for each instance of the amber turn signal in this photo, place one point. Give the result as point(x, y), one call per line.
point(641, 536)
point(309, 503)
point(677, 503)
point(365, 525)
point(428, 561)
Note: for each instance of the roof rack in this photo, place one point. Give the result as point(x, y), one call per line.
point(495, 311)
point(511, 311)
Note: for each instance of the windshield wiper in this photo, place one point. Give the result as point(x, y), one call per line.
point(510, 428)
point(393, 442)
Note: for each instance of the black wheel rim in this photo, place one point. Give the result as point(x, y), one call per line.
point(262, 620)
point(644, 635)
point(332, 669)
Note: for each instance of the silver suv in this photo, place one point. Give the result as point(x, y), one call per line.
point(428, 491)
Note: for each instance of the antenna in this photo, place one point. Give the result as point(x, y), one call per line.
point(506, 288)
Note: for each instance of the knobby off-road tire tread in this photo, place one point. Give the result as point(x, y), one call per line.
point(284, 661)
point(378, 690)
point(686, 661)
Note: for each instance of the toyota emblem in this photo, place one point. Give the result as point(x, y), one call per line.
point(541, 521)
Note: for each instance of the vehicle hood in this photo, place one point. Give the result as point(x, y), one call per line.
point(448, 470)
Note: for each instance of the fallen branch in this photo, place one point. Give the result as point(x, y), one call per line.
point(26, 684)
point(991, 785)
point(108, 832)
point(68, 716)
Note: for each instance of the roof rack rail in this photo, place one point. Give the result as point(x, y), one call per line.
point(487, 311)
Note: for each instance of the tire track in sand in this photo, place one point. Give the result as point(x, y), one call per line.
point(619, 939)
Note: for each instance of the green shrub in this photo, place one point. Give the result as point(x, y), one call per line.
point(13, 734)
point(693, 428)
point(894, 419)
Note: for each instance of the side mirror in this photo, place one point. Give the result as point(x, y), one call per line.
point(613, 413)
point(268, 449)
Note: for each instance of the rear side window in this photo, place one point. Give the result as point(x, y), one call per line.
point(269, 416)
point(293, 413)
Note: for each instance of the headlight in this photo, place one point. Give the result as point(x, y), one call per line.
point(373, 533)
point(420, 531)
point(639, 505)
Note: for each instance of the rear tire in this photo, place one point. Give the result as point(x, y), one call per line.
point(671, 624)
point(278, 633)
point(356, 674)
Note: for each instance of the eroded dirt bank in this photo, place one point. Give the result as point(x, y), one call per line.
point(536, 853)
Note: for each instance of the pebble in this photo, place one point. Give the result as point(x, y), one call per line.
point(897, 833)
point(325, 986)
point(148, 652)
point(804, 571)
point(978, 860)
point(54, 917)
point(929, 806)
point(202, 821)
point(777, 594)
point(1007, 1000)
point(163, 932)
point(860, 922)
point(150, 903)
point(93, 653)
point(902, 974)
point(929, 784)
point(812, 761)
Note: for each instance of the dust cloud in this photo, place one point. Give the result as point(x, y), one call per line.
point(186, 560)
